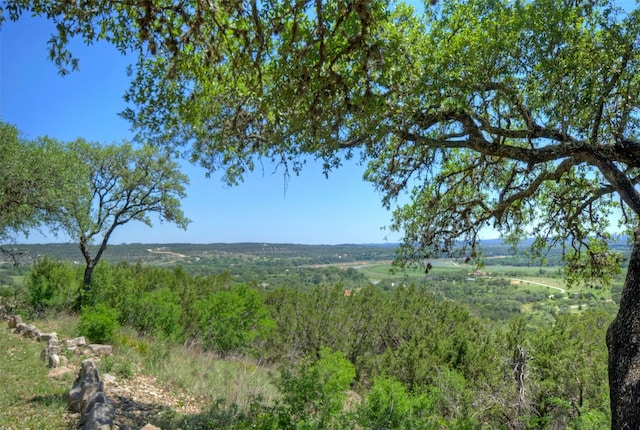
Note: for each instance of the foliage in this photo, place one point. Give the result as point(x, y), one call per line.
point(158, 312)
point(52, 285)
point(99, 323)
point(315, 392)
point(409, 358)
point(388, 405)
point(517, 140)
point(229, 320)
point(566, 362)
point(35, 176)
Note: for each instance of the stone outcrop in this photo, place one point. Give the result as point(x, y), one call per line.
point(87, 398)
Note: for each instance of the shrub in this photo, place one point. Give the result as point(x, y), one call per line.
point(52, 285)
point(314, 395)
point(230, 320)
point(388, 405)
point(158, 312)
point(99, 323)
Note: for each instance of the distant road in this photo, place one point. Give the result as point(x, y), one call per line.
point(562, 290)
point(159, 251)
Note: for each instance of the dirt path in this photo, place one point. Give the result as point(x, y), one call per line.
point(562, 290)
point(159, 251)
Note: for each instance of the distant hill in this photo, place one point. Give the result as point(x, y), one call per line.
point(158, 253)
point(163, 253)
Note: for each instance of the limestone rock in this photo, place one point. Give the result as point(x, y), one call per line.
point(88, 370)
point(59, 372)
point(100, 417)
point(48, 337)
point(100, 350)
point(78, 341)
point(91, 400)
point(14, 321)
point(54, 360)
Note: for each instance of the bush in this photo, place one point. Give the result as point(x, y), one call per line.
point(230, 320)
point(158, 312)
point(99, 323)
point(388, 405)
point(52, 285)
point(314, 395)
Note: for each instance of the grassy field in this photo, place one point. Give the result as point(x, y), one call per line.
point(29, 398)
point(381, 273)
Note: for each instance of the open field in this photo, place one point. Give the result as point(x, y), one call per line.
point(497, 291)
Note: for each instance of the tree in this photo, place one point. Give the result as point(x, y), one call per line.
point(34, 178)
point(521, 116)
point(126, 184)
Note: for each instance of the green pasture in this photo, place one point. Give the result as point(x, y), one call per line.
point(385, 271)
point(381, 273)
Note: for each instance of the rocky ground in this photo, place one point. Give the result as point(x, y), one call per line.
point(139, 399)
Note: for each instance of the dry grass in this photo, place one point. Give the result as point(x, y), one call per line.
point(204, 376)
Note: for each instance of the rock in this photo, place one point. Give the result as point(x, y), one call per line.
point(100, 350)
point(150, 426)
point(75, 398)
point(51, 355)
point(87, 390)
point(27, 330)
point(78, 341)
point(53, 349)
point(91, 400)
point(14, 321)
point(54, 360)
point(48, 337)
point(100, 417)
point(108, 378)
point(88, 370)
point(59, 372)
point(87, 383)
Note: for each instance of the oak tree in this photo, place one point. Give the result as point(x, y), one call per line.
point(516, 115)
point(125, 184)
point(35, 175)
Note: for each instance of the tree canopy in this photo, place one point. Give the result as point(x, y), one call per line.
point(517, 115)
point(35, 177)
point(125, 184)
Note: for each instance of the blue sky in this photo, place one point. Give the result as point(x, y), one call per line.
point(314, 210)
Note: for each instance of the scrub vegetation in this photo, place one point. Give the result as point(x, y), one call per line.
point(462, 346)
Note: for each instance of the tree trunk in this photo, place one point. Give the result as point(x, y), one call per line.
point(88, 273)
point(623, 342)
